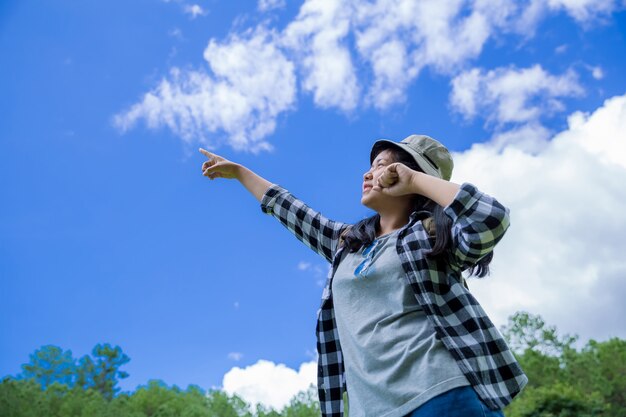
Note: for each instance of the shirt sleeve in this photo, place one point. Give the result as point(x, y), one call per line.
point(479, 221)
point(308, 225)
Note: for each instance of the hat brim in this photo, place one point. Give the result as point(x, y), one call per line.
point(422, 162)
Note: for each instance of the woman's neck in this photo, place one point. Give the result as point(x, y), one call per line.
point(391, 221)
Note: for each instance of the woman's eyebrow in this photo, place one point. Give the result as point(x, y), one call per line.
point(378, 160)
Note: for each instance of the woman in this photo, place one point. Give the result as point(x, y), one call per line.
point(414, 341)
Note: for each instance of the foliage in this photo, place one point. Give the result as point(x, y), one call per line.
point(51, 364)
point(103, 373)
point(526, 331)
point(563, 382)
point(558, 400)
point(600, 367)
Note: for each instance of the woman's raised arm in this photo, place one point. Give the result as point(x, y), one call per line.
point(478, 220)
point(219, 167)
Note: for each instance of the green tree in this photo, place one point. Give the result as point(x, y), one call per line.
point(564, 381)
point(263, 411)
point(104, 373)
point(157, 399)
point(600, 367)
point(304, 404)
point(558, 400)
point(85, 370)
point(538, 347)
point(526, 331)
point(50, 364)
point(21, 398)
point(224, 405)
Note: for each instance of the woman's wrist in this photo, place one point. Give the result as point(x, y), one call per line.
point(416, 180)
point(239, 172)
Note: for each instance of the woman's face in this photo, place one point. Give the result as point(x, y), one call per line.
point(371, 198)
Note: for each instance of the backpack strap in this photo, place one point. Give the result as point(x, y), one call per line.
point(429, 226)
point(341, 239)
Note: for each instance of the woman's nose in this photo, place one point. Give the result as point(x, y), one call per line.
point(367, 175)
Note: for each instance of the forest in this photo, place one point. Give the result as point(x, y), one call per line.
point(564, 381)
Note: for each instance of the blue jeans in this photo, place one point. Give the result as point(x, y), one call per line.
point(458, 402)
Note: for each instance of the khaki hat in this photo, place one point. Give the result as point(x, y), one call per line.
point(431, 156)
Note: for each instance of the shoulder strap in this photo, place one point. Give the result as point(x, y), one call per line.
point(429, 226)
point(341, 240)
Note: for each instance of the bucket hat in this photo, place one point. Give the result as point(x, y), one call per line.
point(431, 156)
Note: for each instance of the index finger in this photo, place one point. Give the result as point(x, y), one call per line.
point(206, 153)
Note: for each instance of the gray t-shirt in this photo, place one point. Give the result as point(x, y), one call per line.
point(393, 362)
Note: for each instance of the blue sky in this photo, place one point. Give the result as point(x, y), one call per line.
point(109, 232)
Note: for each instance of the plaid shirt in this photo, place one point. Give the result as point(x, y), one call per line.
point(478, 223)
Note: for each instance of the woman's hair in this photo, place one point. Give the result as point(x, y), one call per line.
point(364, 232)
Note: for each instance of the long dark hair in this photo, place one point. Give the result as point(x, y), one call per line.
point(364, 232)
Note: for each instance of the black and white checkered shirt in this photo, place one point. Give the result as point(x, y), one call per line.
point(478, 223)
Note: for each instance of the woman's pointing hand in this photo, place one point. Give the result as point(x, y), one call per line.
point(218, 167)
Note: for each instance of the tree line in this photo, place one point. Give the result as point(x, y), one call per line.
point(563, 382)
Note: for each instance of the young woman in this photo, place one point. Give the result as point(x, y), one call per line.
point(398, 329)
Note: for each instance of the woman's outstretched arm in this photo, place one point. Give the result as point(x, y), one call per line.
point(311, 227)
point(219, 167)
point(256, 184)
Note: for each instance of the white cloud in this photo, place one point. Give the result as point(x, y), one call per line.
point(319, 273)
point(312, 354)
point(304, 266)
point(316, 37)
point(400, 37)
point(597, 73)
point(194, 10)
point(563, 256)
point(510, 95)
point(252, 82)
point(351, 53)
point(235, 356)
point(270, 384)
point(397, 38)
point(531, 138)
point(561, 49)
point(267, 5)
point(176, 33)
point(585, 10)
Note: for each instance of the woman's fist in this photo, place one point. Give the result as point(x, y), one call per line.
point(395, 180)
point(217, 166)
